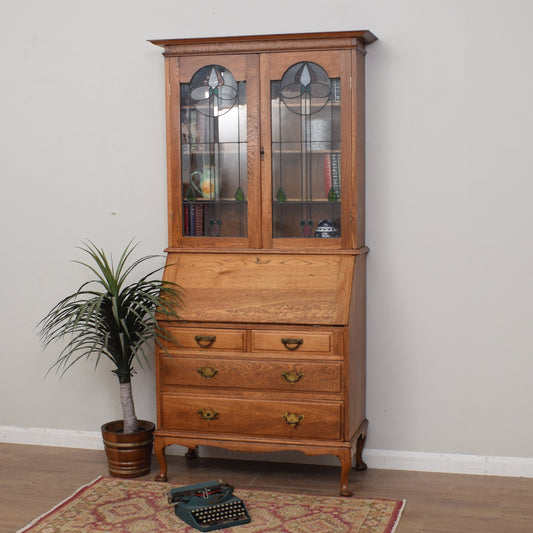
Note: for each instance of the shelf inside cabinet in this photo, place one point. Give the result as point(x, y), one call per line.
point(298, 151)
point(317, 201)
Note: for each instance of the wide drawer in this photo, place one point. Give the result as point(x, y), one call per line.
point(276, 418)
point(250, 374)
point(208, 339)
point(322, 342)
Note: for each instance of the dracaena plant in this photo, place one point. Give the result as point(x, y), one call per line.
point(112, 317)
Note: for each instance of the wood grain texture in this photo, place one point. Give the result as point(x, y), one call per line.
point(357, 175)
point(253, 149)
point(253, 374)
point(355, 369)
point(265, 288)
point(266, 43)
point(188, 338)
point(172, 89)
point(311, 342)
point(222, 415)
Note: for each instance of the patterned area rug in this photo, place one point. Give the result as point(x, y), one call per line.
point(131, 506)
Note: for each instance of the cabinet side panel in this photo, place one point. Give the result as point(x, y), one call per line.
point(358, 148)
point(347, 163)
point(356, 359)
point(173, 150)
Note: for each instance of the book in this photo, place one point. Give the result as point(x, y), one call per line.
point(193, 219)
point(327, 173)
point(332, 174)
point(336, 90)
point(186, 215)
point(193, 128)
point(198, 219)
point(336, 174)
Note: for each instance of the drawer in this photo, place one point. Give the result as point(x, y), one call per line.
point(273, 418)
point(208, 339)
point(322, 342)
point(250, 374)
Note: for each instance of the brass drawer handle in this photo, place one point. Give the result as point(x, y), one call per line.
point(204, 341)
point(292, 344)
point(292, 377)
point(293, 419)
point(208, 414)
point(207, 372)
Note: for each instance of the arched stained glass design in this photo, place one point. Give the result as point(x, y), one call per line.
point(307, 85)
point(213, 90)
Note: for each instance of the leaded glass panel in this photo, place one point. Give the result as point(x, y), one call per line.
point(306, 190)
point(214, 154)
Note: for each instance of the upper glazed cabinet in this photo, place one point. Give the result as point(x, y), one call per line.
point(265, 141)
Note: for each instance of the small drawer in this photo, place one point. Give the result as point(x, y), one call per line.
point(322, 342)
point(250, 374)
point(271, 418)
point(208, 339)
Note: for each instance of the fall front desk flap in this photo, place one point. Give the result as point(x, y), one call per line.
point(264, 287)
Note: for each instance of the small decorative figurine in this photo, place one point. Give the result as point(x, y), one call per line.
point(307, 228)
point(214, 227)
point(326, 228)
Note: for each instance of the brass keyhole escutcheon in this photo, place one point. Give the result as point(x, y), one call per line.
point(293, 419)
point(292, 376)
point(208, 414)
point(207, 372)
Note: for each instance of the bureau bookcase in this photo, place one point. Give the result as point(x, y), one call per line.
point(265, 161)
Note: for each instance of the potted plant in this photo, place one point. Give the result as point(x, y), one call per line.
point(112, 317)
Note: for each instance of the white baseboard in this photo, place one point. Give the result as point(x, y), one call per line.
point(63, 438)
point(452, 463)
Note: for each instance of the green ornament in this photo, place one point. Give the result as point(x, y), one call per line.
point(239, 195)
point(332, 195)
point(281, 196)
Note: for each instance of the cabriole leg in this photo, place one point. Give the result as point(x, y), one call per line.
point(191, 453)
point(345, 457)
point(159, 449)
point(360, 465)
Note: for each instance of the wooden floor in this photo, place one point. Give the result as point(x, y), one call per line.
point(35, 478)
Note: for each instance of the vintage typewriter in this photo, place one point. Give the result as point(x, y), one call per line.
point(208, 506)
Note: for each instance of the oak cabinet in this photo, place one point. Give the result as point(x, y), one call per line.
point(265, 158)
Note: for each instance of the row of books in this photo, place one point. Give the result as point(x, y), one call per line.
point(332, 174)
point(193, 219)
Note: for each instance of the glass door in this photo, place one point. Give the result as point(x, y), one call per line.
point(213, 167)
point(306, 155)
point(306, 143)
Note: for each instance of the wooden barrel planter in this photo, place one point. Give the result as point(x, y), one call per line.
point(128, 455)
